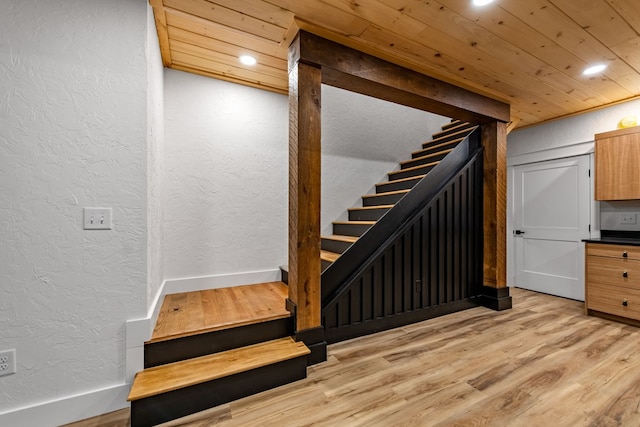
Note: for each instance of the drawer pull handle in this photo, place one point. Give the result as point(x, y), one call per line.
point(625, 303)
point(625, 274)
point(624, 254)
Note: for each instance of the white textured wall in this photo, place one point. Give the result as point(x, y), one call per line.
point(73, 132)
point(155, 160)
point(226, 177)
point(363, 139)
point(569, 131)
point(227, 168)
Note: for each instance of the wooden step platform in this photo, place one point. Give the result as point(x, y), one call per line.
point(177, 389)
point(194, 324)
point(189, 313)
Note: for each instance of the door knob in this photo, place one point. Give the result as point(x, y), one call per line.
point(518, 232)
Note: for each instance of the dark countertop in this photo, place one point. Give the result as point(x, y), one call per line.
point(631, 238)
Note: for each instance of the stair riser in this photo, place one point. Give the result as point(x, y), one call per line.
point(367, 214)
point(459, 133)
point(388, 199)
point(451, 124)
point(324, 264)
point(335, 246)
point(410, 173)
point(394, 186)
point(430, 150)
point(174, 350)
point(417, 162)
point(179, 403)
point(452, 131)
point(350, 229)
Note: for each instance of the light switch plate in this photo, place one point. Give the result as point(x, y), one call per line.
point(97, 218)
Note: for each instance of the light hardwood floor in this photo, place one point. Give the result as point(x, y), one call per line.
point(543, 363)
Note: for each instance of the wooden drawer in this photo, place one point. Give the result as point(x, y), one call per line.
point(609, 299)
point(622, 272)
point(613, 251)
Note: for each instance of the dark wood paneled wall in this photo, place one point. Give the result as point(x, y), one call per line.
point(433, 267)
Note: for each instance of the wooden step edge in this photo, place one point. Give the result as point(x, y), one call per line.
point(177, 375)
point(388, 193)
point(452, 123)
point(220, 327)
point(366, 208)
point(434, 147)
point(455, 129)
point(341, 238)
point(329, 256)
point(354, 222)
point(395, 181)
point(413, 168)
point(427, 156)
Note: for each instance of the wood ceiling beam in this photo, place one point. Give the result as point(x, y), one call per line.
point(359, 72)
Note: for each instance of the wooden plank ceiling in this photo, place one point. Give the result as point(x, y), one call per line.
point(528, 53)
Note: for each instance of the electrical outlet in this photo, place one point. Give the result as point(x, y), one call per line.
point(628, 218)
point(97, 218)
point(7, 362)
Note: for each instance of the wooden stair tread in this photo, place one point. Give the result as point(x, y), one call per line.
point(413, 168)
point(427, 156)
point(174, 376)
point(388, 193)
point(450, 130)
point(411, 178)
point(341, 238)
point(364, 208)
point(329, 256)
point(435, 147)
point(355, 222)
point(191, 313)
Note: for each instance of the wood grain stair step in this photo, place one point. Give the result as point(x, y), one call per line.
point(412, 172)
point(173, 376)
point(177, 389)
point(352, 228)
point(398, 184)
point(436, 147)
point(337, 243)
point(454, 134)
point(368, 213)
point(427, 158)
point(452, 123)
point(388, 198)
point(453, 129)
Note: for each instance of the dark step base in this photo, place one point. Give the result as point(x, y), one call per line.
point(174, 350)
point(449, 136)
point(350, 229)
point(179, 403)
point(409, 173)
point(452, 123)
point(430, 158)
point(324, 264)
point(335, 246)
point(382, 199)
point(366, 214)
point(397, 185)
point(452, 130)
point(437, 147)
point(284, 271)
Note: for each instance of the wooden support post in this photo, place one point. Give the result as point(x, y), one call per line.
point(494, 142)
point(304, 202)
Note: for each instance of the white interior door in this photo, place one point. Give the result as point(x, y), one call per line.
point(551, 217)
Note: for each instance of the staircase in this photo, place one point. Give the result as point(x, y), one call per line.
point(212, 347)
point(374, 206)
point(215, 346)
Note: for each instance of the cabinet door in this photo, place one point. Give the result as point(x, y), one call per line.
point(618, 166)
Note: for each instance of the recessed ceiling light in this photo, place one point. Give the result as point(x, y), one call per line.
point(482, 2)
point(248, 60)
point(594, 69)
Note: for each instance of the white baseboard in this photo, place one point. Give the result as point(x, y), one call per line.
point(68, 409)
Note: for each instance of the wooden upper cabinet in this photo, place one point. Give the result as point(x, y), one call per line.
point(618, 164)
